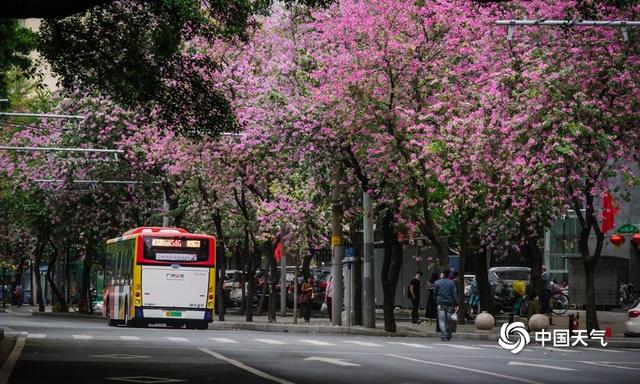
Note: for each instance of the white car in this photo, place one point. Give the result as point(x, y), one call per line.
point(632, 325)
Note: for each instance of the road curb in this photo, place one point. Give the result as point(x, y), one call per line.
point(336, 330)
point(74, 315)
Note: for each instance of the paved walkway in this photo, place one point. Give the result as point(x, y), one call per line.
point(614, 320)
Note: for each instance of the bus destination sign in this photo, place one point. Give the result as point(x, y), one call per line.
point(175, 243)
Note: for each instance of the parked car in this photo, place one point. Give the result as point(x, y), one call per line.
point(632, 325)
point(509, 275)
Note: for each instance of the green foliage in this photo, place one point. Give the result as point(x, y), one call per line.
point(16, 44)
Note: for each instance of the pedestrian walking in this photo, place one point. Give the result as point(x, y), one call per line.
point(306, 295)
point(413, 292)
point(447, 302)
point(431, 312)
point(328, 295)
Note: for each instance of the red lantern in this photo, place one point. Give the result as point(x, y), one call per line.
point(617, 240)
point(636, 239)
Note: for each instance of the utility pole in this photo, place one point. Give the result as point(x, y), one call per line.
point(368, 286)
point(336, 245)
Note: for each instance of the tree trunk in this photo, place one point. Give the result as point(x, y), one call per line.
point(40, 247)
point(84, 302)
point(592, 318)
point(220, 264)
point(391, 265)
point(273, 266)
point(251, 270)
point(306, 263)
point(59, 304)
point(588, 222)
point(533, 253)
point(482, 277)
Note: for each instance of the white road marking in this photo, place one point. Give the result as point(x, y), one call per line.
point(317, 342)
point(223, 340)
point(458, 346)
point(11, 361)
point(120, 356)
point(541, 366)
point(247, 368)
point(270, 341)
point(82, 337)
point(177, 339)
point(129, 338)
point(329, 360)
point(146, 379)
point(414, 345)
point(363, 343)
point(558, 349)
point(610, 365)
point(36, 336)
point(604, 350)
point(457, 367)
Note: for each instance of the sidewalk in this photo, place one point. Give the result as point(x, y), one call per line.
point(320, 324)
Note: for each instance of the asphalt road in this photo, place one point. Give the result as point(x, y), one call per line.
point(88, 351)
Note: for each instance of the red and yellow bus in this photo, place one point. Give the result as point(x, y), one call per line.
point(160, 275)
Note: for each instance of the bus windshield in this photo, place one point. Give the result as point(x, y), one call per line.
point(176, 249)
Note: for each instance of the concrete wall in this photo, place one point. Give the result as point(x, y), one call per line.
point(409, 268)
point(606, 280)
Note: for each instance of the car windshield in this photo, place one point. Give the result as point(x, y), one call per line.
point(513, 275)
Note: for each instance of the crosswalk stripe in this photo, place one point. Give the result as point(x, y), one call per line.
point(177, 339)
point(82, 337)
point(223, 340)
point(458, 346)
point(36, 335)
point(316, 342)
point(129, 338)
point(414, 345)
point(363, 343)
point(270, 341)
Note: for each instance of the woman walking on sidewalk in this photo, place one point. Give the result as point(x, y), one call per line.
point(328, 295)
point(305, 299)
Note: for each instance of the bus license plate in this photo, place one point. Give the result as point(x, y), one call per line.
point(173, 314)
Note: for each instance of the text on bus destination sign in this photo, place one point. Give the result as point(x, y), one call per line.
point(175, 243)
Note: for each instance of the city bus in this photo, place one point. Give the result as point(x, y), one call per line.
point(160, 275)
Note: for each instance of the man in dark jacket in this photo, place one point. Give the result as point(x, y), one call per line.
point(414, 294)
point(447, 302)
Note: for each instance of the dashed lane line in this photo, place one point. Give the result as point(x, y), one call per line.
point(129, 338)
point(178, 339)
point(610, 365)
point(82, 337)
point(459, 368)
point(223, 340)
point(318, 342)
point(363, 343)
point(36, 336)
point(270, 341)
point(413, 345)
point(458, 346)
point(245, 367)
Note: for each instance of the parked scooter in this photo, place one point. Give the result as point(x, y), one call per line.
point(510, 298)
